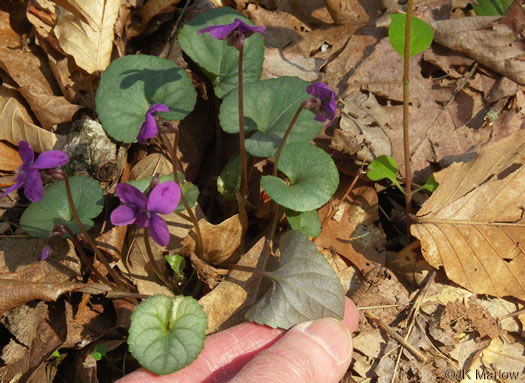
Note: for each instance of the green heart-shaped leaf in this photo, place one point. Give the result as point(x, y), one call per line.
point(39, 219)
point(269, 107)
point(220, 61)
point(312, 174)
point(307, 222)
point(384, 167)
point(189, 190)
point(131, 84)
point(167, 334)
point(305, 287)
point(421, 35)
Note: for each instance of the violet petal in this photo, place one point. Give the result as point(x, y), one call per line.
point(130, 195)
point(123, 215)
point(25, 152)
point(158, 229)
point(33, 189)
point(164, 198)
point(158, 108)
point(20, 180)
point(50, 159)
point(148, 129)
point(220, 31)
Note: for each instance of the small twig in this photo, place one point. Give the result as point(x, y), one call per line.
point(390, 331)
point(413, 315)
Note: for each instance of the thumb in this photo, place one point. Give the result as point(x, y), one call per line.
point(313, 352)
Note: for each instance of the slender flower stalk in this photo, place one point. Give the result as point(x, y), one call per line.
point(406, 141)
point(234, 34)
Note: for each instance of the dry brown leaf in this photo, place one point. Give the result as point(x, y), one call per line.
point(17, 125)
point(219, 241)
point(32, 74)
point(352, 231)
point(231, 295)
point(150, 165)
point(147, 12)
point(38, 332)
point(24, 278)
point(487, 40)
point(9, 158)
point(90, 43)
point(473, 224)
point(360, 131)
point(137, 263)
point(279, 63)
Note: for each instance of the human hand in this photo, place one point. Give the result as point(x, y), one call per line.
point(312, 352)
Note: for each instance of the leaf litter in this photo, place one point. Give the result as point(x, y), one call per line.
point(459, 107)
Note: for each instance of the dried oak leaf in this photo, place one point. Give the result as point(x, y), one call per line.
point(17, 125)
point(487, 40)
point(33, 76)
point(90, 42)
point(219, 241)
point(473, 224)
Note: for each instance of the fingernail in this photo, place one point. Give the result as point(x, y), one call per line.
point(332, 335)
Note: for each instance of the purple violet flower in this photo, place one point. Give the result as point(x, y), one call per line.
point(149, 128)
point(326, 109)
point(234, 33)
point(28, 173)
point(142, 210)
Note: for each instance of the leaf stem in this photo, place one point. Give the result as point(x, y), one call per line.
point(285, 137)
point(406, 141)
point(242, 149)
point(90, 241)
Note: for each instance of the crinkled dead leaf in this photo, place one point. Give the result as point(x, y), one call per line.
point(487, 40)
point(361, 128)
point(219, 241)
point(137, 262)
point(33, 77)
point(146, 13)
point(352, 231)
point(90, 43)
point(37, 332)
point(24, 278)
point(150, 165)
point(226, 303)
point(17, 125)
point(473, 224)
point(9, 158)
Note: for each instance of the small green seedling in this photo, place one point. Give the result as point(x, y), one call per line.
point(100, 352)
point(177, 264)
point(384, 167)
